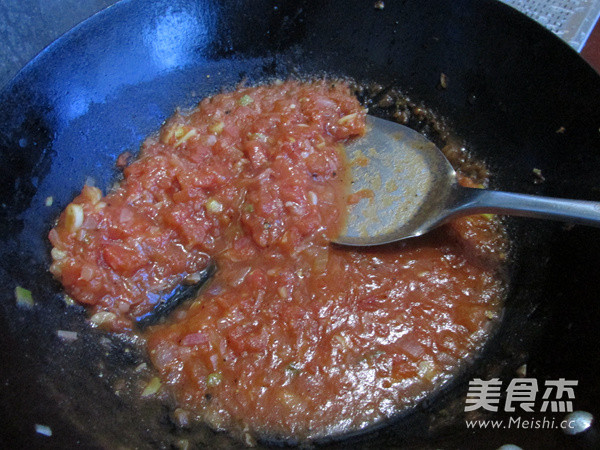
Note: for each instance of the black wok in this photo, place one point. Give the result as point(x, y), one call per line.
point(109, 82)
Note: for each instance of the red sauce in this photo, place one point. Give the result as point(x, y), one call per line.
point(292, 337)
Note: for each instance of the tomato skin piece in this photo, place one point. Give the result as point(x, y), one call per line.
point(199, 338)
point(122, 259)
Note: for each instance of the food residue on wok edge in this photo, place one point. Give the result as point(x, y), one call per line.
point(292, 337)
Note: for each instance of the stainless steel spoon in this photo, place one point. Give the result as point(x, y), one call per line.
point(415, 189)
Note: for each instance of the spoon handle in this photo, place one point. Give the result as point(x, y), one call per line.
point(477, 201)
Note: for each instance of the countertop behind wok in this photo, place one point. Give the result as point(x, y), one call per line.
point(28, 26)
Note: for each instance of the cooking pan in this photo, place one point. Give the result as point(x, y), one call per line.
point(517, 97)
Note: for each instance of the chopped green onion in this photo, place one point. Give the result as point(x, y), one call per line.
point(185, 137)
point(214, 206)
point(258, 137)
point(245, 100)
point(443, 80)
point(214, 379)
point(217, 127)
point(102, 317)
point(249, 207)
point(292, 368)
point(24, 297)
point(152, 387)
point(68, 300)
point(169, 134)
point(178, 131)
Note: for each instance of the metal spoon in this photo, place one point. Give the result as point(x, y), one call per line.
point(415, 189)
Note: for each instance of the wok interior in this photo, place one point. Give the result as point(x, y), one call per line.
point(85, 100)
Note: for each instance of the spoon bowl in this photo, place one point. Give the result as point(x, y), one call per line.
point(407, 187)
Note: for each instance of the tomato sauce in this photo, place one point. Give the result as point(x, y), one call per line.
point(292, 337)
